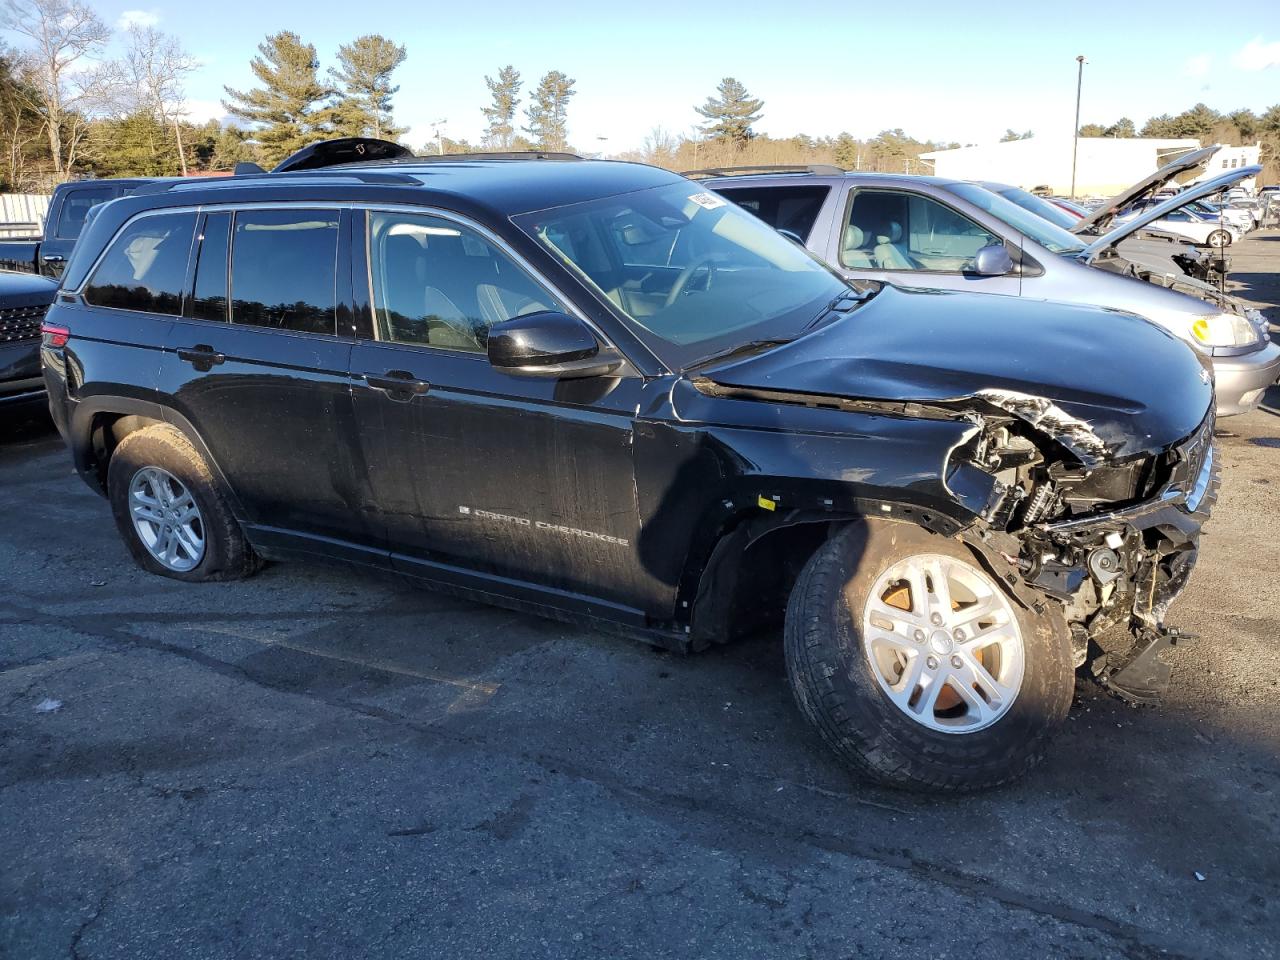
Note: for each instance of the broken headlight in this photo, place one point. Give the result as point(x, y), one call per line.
point(1224, 330)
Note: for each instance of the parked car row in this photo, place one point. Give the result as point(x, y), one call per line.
point(600, 391)
point(933, 233)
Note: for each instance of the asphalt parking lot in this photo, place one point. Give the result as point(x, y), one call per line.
point(320, 763)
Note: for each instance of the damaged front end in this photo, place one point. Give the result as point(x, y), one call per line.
point(1112, 541)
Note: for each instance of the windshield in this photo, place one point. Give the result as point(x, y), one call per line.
point(693, 272)
point(1050, 236)
point(1037, 205)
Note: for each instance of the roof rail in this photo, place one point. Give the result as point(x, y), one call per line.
point(820, 169)
point(498, 155)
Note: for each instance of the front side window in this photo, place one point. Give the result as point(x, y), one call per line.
point(724, 278)
point(75, 208)
point(794, 208)
point(894, 230)
point(145, 268)
point(284, 269)
point(437, 283)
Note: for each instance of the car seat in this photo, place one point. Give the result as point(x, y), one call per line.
point(852, 253)
point(888, 253)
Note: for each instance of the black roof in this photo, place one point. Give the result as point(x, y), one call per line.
point(490, 191)
point(506, 187)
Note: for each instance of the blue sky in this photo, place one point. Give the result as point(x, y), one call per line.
point(950, 71)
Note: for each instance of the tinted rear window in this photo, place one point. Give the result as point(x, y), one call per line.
point(793, 209)
point(210, 301)
point(145, 268)
point(284, 269)
point(76, 207)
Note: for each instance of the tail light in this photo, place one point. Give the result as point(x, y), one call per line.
point(55, 336)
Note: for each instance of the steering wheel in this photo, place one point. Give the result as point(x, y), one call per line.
point(682, 281)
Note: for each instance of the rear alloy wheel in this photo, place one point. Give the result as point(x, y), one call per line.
point(171, 510)
point(166, 519)
point(1219, 238)
point(917, 667)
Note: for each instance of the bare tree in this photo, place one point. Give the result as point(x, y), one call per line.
point(154, 68)
point(660, 148)
point(68, 39)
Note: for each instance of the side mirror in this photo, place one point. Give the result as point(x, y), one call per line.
point(993, 260)
point(549, 344)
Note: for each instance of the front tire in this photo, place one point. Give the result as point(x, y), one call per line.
point(917, 668)
point(170, 511)
point(1219, 238)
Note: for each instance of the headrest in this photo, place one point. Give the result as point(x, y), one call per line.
point(853, 237)
point(892, 234)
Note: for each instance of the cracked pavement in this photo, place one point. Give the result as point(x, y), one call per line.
point(318, 762)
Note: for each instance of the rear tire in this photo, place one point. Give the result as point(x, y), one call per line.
point(170, 511)
point(1219, 238)
point(836, 653)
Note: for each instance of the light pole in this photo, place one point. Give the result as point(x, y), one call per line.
point(1075, 134)
point(438, 125)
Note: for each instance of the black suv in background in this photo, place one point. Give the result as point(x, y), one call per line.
point(24, 298)
point(597, 390)
point(68, 210)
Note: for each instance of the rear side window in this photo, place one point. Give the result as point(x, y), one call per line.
point(210, 301)
point(793, 209)
point(284, 269)
point(145, 268)
point(76, 207)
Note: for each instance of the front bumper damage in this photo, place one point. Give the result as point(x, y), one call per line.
point(1124, 567)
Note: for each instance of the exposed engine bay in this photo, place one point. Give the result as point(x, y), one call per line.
point(1113, 542)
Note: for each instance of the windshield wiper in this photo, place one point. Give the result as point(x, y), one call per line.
point(751, 346)
point(845, 303)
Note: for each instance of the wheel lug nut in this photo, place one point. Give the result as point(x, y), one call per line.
point(919, 636)
point(959, 634)
point(956, 662)
point(932, 663)
point(936, 619)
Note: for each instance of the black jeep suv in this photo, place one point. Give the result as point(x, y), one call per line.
point(597, 390)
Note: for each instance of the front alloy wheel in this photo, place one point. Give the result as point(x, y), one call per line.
point(916, 667)
point(943, 643)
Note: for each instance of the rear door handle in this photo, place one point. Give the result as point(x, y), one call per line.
point(395, 382)
point(53, 258)
point(201, 354)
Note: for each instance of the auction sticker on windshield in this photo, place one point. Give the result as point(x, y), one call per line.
point(708, 201)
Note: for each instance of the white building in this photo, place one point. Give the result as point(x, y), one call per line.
point(1230, 158)
point(1104, 165)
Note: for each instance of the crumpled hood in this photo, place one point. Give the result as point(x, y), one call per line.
point(1107, 385)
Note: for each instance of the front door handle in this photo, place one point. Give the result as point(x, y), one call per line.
point(53, 258)
point(397, 383)
point(202, 355)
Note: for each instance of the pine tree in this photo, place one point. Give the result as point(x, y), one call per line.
point(731, 114)
point(288, 108)
point(1121, 128)
point(500, 133)
point(363, 108)
point(848, 151)
point(547, 111)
